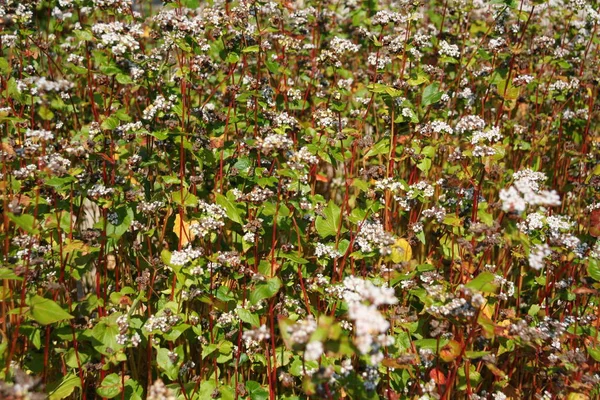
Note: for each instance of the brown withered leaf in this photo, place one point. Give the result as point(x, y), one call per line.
point(584, 290)
point(437, 376)
point(595, 223)
point(181, 228)
point(450, 351)
point(111, 262)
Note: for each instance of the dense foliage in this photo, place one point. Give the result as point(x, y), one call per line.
point(325, 199)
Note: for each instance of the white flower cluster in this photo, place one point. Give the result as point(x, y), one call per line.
point(302, 157)
point(370, 326)
point(158, 391)
point(372, 234)
point(437, 212)
point(341, 46)
point(325, 118)
point(132, 126)
point(537, 254)
point(385, 17)
point(99, 190)
point(438, 127)
point(122, 337)
point(490, 136)
point(162, 323)
point(313, 350)
point(523, 80)
point(422, 187)
point(120, 38)
point(507, 292)
point(187, 255)
point(25, 172)
point(555, 226)
point(212, 220)
point(275, 142)
point(389, 184)
point(40, 85)
point(284, 118)
point(581, 113)
point(526, 191)
point(560, 85)
point(149, 208)
point(378, 60)
point(39, 134)
point(159, 104)
point(56, 164)
point(447, 49)
point(496, 45)
point(322, 250)
point(179, 22)
point(257, 195)
point(259, 334)
point(301, 332)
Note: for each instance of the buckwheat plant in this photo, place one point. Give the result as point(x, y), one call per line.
point(245, 199)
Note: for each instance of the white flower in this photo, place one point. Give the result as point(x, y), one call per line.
point(313, 351)
point(450, 50)
point(537, 255)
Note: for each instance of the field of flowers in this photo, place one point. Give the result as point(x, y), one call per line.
point(328, 199)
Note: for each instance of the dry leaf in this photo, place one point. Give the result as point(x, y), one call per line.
point(181, 228)
point(437, 376)
point(111, 262)
point(595, 223)
point(450, 351)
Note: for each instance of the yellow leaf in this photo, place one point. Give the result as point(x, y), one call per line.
point(577, 396)
point(401, 252)
point(181, 228)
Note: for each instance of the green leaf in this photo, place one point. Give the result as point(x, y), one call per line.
point(4, 66)
point(431, 94)
point(534, 310)
point(251, 49)
point(420, 78)
point(191, 4)
point(133, 390)
point(83, 35)
point(381, 147)
point(593, 269)
point(265, 290)
point(110, 70)
point(124, 79)
point(46, 311)
point(166, 364)
point(421, 236)
point(185, 198)
point(232, 212)
point(45, 113)
point(431, 344)
point(105, 335)
point(424, 165)
point(331, 222)
point(256, 392)
point(25, 222)
point(248, 317)
point(483, 282)
point(7, 273)
point(110, 387)
point(65, 388)
point(110, 123)
point(294, 258)
point(472, 355)
point(232, 58)
point(594, 353)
